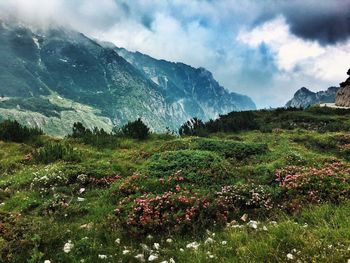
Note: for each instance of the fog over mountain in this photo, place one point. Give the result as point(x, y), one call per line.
point(264, 49)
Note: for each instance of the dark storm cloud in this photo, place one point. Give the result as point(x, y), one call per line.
point(325, 21)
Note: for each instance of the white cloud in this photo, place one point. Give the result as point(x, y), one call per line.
point(327, 63)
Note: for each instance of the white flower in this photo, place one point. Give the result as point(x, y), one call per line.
point(102, 256)
point(169, 240)
point(149, 237)
point(182, 250)
point(164, 261)
point(117, 241)
point(126, 252)
point(171, 260)
point(68, 246)
point(224, 243)
point(264, 228)
point(253, 224)
point(209, 240)
point(47, 261)
point(140, 257)
point(193, 245)
point(81, 190)
point(156, 246)
point(153, 257)
point(80, 199)
point(290, 256)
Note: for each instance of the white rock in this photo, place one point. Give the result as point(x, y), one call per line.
point(152, 257)
point(224, 243)
point(193, 245)
point(82, 190)
point(156, 246)
point(290, 256)
point(169, 240)
point(126, 252)
point(265, 228)
point(253, 224)
point(47, 261)
point(102, 256)
point(68, 246)
point(117, 241)
point(80, 199)
point(171, 260)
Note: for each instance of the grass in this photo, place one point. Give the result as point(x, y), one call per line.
point(37, 218)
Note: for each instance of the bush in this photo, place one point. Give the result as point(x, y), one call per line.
point(231, 148)
point(301, 185)
point(97, 137)
point(200, 167)
point(193, 127)
point(169, 212)
point(52, 152)
point(136, 130)
point(233, 200)
point(13, 131)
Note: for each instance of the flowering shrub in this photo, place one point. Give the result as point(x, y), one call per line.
point(331, 183)
point(170, 211)
point(235, 199)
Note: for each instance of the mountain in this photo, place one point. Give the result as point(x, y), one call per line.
point(51, 78)
point(343, 94)
point(305, 97)
point(194, 88)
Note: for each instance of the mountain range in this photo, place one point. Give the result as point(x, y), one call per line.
point(304, 97)
point(54, 77)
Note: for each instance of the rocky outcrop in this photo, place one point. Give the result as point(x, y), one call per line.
point(304, 97)
point(343, 95)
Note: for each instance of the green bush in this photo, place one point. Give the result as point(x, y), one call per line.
point(200, 167)
point(13, 131)
point(232, 149)
point(136, 130)
point(52, 152)
point(97, 137)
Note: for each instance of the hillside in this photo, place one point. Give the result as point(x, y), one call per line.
point(51, 78)
point(200, 94)
point(271, 188)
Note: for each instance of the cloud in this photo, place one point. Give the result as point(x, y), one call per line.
point(266, 49)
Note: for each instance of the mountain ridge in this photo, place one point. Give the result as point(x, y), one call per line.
point(63, 63)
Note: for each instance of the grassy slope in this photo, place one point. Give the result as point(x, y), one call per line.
point(319, 233)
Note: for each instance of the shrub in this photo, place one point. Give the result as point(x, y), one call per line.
point(231, 148)
point(193, 127)
point(330, 183)
point(52, 152)
point(13, 131)
point(136, 130)
point(233, 200)
point(168, 212)
point(97, 137)
point(199, 167)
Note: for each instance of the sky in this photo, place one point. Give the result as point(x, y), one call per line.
point(266, 49)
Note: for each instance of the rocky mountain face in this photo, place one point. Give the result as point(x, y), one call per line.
point(305, 97)
point(54, 77)
point(343, 95)
point(195, 89)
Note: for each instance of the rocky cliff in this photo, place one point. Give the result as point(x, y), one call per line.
point(343, 95)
